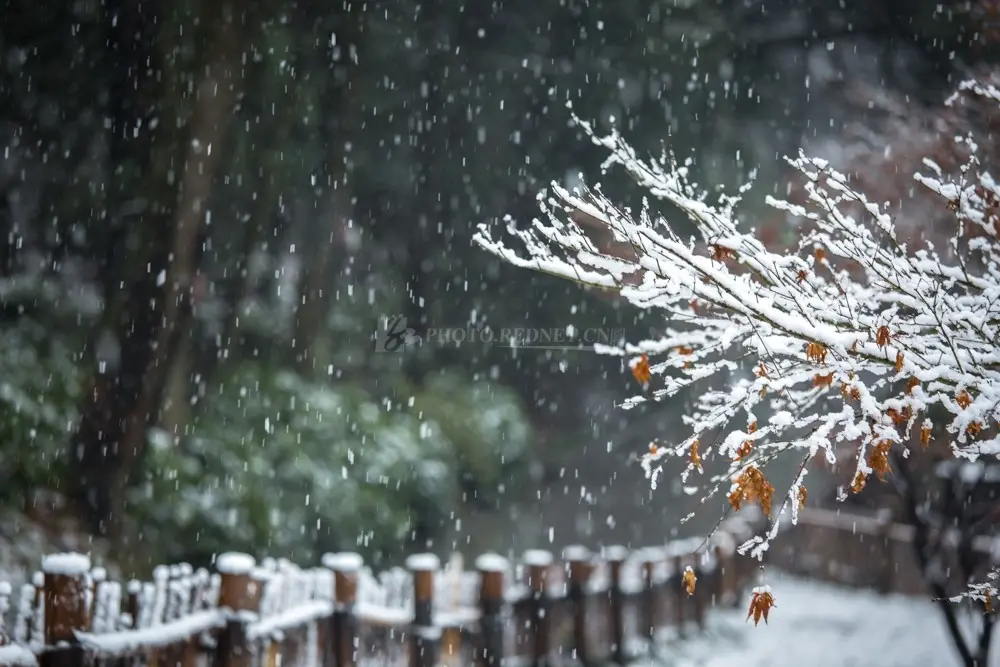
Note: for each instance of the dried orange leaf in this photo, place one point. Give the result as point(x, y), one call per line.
point(743, 450)
point(882, 336)
point(822, 380)
point(912, 384)
point(925, 434)
point(820, 254)
point(721, 253)
point(878, 459)
point(859, 482)
point(802, 497)
point(689, 580)
point(760, 604)
point(641, 371)
point(695, 456)
point(963, 399)
point(816, 352)
point(899, 361)
point(752, 486)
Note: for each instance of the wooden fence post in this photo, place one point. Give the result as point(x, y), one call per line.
point(615, 556)
point(539, 564)
point(677, 593)
point(723, 569)
point(66, 610)
point(240, 595)
point(703, 573)
point(425, 638)
point(885, 549)
point(491, 569)
point(343, 633)
point(578, 560)
point(650, 558)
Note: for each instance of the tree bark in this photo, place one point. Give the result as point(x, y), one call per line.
point(335, 206)
point(111, 436)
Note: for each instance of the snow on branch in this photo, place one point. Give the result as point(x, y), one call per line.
point(854, 337)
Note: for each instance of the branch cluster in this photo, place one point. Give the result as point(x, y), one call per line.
point(853, 338)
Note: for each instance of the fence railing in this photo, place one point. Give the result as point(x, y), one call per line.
point(867, 551)
point(594, 607)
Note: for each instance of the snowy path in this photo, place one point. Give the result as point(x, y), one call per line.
point(817, 625)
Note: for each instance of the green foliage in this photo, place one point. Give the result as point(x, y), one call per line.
point(278, 464)
point(39, 393)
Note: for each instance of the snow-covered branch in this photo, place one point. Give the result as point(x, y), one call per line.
point(854, 338)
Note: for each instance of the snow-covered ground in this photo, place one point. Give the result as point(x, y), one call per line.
point(819, 625)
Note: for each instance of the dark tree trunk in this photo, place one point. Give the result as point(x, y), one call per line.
point(153, 255)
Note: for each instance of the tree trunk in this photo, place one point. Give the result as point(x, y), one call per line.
point(311, 350)
point(162, 250)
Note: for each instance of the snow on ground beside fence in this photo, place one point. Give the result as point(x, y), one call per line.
point(819, 625)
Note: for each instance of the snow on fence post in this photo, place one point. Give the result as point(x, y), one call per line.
point(343, 633)
point(240, 595)
point(65, 591)
point(539, 564)
point(425, 638)
point(580, 566)
point(491, 569)
point(615, 556)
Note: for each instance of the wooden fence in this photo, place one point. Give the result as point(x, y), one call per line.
point(866, 552)
point(593, 607)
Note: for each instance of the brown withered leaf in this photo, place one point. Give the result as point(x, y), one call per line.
point(641, 371)
point(752, 486)
point(859, 482)
point(819, 254)
point(743, 450)
point(801, 277)
point(822, 380)
point(963, 399)
point(689, 580)
point(878, 459)
point(899, 362)
point(802, 497)
point(816, 352)
point(882, 336)
point(912, 384)
point(925, 434)
point(760, 371)
point(684, 349)
point(695, 456)
point(974, 429)
point(898, 416)
point(653, 448)
point(988, 601)
point(720, 253)
point(760, 605)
